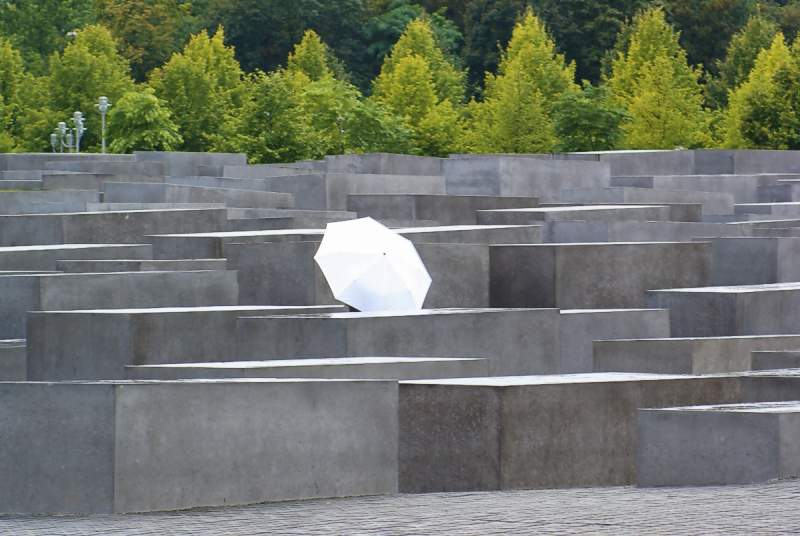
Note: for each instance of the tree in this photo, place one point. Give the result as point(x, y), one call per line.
point(140, 121)
point(408, 89)
point(756, 107)
point(588, 121)
point(741, 55)
point(39, 28)
point(487, 29)
point(201, 85)
point(12, 80)
point(312, 57)
point(418, 40)
point(515, 115)
point(384, 28)
point(90, 67)
point(149, 30)
point(653, 82)
point(707, 26)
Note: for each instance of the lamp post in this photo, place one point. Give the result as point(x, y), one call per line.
point(79, 129)
point(54, 141)
point(69, 138)
point(103, 105)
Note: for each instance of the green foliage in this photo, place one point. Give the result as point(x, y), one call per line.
point(140, 121)
point(741, 55)
point(418, 40)
point(89, 67)
point(658, 89)
point(202, 85)
point(515, 115)
point(39, 28)
point(312, 57)
point(487, 28)
point(762, 111)
point(409, 90)
point(707, 26)
point(12, 80)
point(588, 121)
point(149, 30)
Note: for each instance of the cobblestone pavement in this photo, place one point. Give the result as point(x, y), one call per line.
point(763, 509)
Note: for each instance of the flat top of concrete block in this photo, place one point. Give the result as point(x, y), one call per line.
point(390, 314)
point(5, 343)
point(331, 361)
point(777, 352)
point(215, 308)
point(138, 273)
point(50, 247)
point(412, 230)
point(779, 204)
point(701, 339)
point(594, 377)
point(757, 407)
point(235, 234)
point(154, 261)
point(780, 373)
point(597, 244)
point(740, 289)
point(114, 212)
point(611, 311)
point(192, 381)
point(572, 208)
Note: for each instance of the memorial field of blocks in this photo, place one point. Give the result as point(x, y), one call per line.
point(167, 340)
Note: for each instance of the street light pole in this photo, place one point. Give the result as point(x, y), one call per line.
point(103, 105)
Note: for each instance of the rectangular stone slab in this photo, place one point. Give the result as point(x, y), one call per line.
point(91, 345)
point(46, 257)
point(731, 310)
point(534, 431)
point(593, 276)
point(115, 447)
point(722, 444)
point(367, 368)
point(518, 341)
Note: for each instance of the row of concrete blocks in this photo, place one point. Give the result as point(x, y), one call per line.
point(91, 447)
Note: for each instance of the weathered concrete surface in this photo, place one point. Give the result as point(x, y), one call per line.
point(581, 327)
point(707, 355)
point(731, 310)
point(46, 257)
point(521, 175)
point(527, 216)
point(721, 444)
point(368, 368)
point(639, 231)
point(754, 261)
point(44, 202)
point(61, 292)
point(445, 209)
point(13, 366)
point(141, 192)
point(184, 164)
point(535, 431)
point(776, 360)
point(89, 345)
point(128, 227)
point(140, 265)
point(713, 203)
point(384, 163)
point(88, 447)
point(518, 341)
point(593, 276)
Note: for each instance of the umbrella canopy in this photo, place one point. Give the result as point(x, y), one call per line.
point(370, 267)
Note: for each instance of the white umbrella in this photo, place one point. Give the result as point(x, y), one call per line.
point(370, 267)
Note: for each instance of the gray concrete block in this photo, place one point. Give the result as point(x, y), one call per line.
point(579, 328)
point(45, 202)
point(743, 188)
point(367, 368)
point(639, 231)
point(592, 276)
point(755, 260)
point(506, 175)
point(731, 310)
point(776, 360)
point(125, 227)
point(713, 203)
point(89, 448)
point(185, 164)
point(141, 192)
point(706, 355)
point(75, 345)
point(445, 209)
point(384, 163)
point(528, 216)
point(535, 431)
point(139, 265)
point(62, 292)
point(37, 161)
point(721, 444)
point(110, 167)
point(13, 367)
point(72, 180)
point(25, 185)
point(45, 258)
point(637, 163)
point(530, 338)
